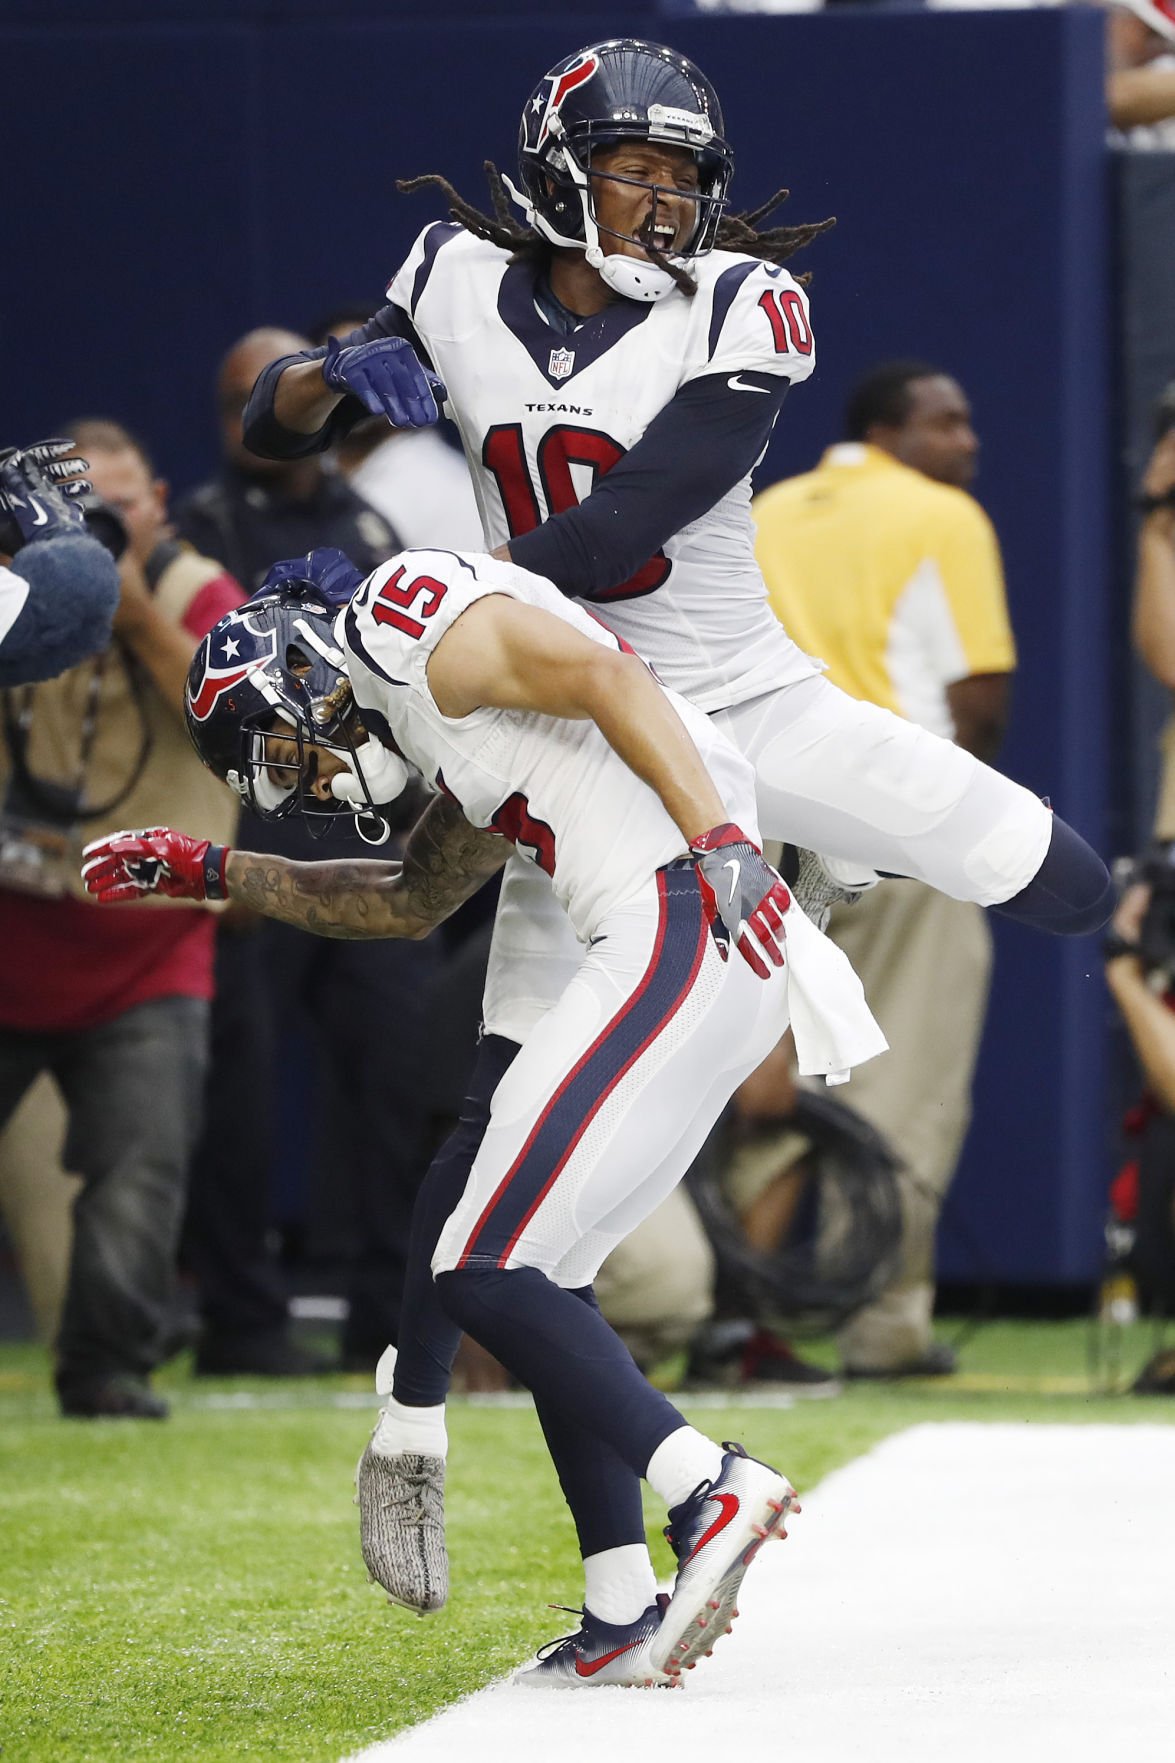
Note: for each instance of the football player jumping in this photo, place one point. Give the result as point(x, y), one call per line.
point(615, 363)
point(554, 739)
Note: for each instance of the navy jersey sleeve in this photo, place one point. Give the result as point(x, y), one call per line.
point(705, 440)
point(266, 436)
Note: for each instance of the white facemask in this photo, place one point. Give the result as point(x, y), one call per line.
point(634, 278)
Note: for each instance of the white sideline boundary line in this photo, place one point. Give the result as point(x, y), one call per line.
point(961, 1594)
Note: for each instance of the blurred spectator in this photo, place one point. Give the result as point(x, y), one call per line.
point(1140, 86)
point(278, 988)
point(114, 1005)
point(259, 510)
point(1140, 972)
point(1154, 590)
point(881, 563)
point(413, 477)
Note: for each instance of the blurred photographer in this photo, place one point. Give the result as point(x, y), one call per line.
point(113, 1006)
point(1140, 972)
point(1140, 968)
point(1154, 587)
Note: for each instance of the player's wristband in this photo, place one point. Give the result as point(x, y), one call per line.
point(724, 834)
point(215, 862)
point(1114, 946)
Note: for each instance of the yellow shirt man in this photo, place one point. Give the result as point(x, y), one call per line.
point(892, 579)
point(880, 563)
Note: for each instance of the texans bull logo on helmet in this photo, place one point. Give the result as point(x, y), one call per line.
point(229, 654)
point(584, 67)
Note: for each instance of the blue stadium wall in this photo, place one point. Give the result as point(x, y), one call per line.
point(185, 173)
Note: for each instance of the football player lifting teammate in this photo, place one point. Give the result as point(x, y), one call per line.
point(615, 360)
point(554, 739)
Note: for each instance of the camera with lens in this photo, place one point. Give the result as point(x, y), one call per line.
point(1156, 938)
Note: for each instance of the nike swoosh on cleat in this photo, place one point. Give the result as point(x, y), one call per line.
point(582, 1670)
point(729, 1504)
point(737, 384)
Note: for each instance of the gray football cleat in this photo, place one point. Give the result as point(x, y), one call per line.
point(820, 883)
point(401, 1502)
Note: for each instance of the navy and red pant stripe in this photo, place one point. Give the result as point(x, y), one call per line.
point(683, 931)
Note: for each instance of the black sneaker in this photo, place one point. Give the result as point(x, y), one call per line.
point(118, 1396)
point(268, 1354)
point(735, 1353)
point(769, 1359)
point(938, 1360)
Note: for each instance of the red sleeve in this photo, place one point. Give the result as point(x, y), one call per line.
point(207, 607)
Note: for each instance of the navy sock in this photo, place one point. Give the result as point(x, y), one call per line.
point(600, 1488)
point(1071, 893)
point(565, 1353)
point(429, 1338)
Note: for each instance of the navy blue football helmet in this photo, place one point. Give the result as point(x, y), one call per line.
point(266, 685)
point(610, 92)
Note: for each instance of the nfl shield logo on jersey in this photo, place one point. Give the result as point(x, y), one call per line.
point(562, 362)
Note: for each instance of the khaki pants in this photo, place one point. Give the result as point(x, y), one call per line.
point(925, 963)
point(36, 1198)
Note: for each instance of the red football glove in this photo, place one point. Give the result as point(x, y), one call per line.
point(740, 888)
point(154, 860)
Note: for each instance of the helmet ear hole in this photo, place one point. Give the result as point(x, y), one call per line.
point(297, 660)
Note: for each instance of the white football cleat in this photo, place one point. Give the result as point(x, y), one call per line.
point(715, 1535)
point(602, 1653)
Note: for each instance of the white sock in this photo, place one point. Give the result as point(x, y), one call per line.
point(618, 1583)
point(680, 1462)
point(420, 1430)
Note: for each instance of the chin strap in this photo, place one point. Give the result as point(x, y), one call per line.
point(374, 777)
point(632, 277)
point(367, 787)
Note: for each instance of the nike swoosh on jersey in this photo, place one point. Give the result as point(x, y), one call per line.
point(582, 1670)
point(737, 384)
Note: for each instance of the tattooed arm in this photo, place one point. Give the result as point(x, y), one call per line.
point(445, 862)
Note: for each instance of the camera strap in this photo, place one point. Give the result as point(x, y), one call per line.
point(64, 803)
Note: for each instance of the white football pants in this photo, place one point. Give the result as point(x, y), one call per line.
point(836, 776)
point(612, 1095)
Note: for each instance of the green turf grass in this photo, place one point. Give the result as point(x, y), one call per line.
point(193, 1589)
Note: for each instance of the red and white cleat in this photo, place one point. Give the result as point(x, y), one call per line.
point(602, 1653)
point(715, 1535)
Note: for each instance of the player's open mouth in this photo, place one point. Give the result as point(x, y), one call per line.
point(661, 235)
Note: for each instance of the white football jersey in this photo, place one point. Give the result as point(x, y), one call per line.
point(555, 788)
point(542, 415)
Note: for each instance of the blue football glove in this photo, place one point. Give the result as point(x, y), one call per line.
point(39, 491)
point(387, 378)
point(328, 570)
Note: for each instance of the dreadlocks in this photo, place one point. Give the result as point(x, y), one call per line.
point(736, 232)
